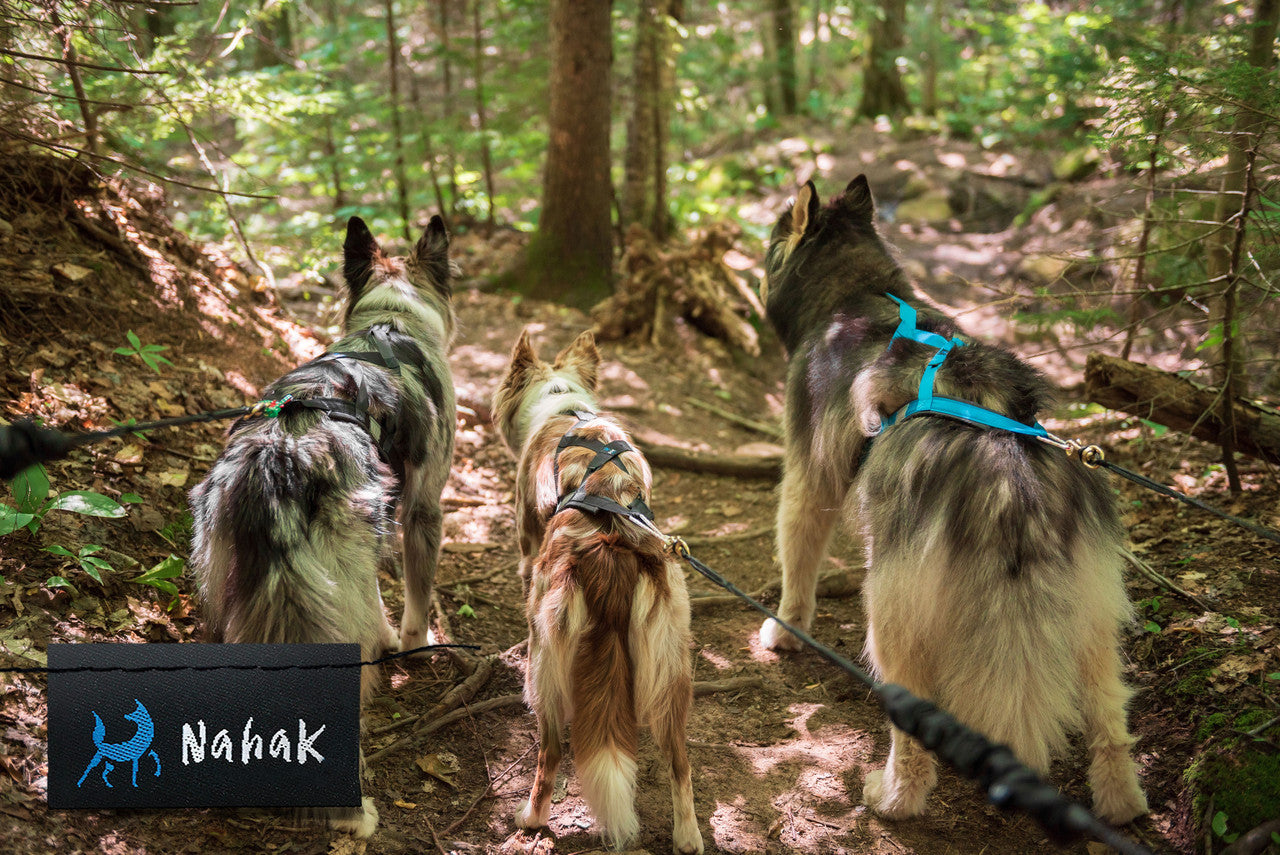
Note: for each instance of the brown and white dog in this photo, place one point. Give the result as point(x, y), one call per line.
point(608, 610)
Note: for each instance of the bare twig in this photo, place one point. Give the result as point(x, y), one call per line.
point(1163, 581)
point(758, 427)
point(60, 61)
point(732, 684)
point(737, 466)
point(712, 539)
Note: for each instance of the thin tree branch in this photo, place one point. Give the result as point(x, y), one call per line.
point(53, 60)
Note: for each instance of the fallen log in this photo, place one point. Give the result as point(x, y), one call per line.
point(738, 466)
point(1181, 404)
point(834, 585)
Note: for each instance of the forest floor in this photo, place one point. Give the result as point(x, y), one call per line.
point(778, 762)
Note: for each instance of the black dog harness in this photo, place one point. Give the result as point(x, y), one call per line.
point(580, 499)
point(389, 355)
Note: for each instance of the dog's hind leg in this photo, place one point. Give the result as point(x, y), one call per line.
point(537, 810)
point(807, 513)
point(899, 790)
point(669, 732)
point(1113, 777)
point(423, 527)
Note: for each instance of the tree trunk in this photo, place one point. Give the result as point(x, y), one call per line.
point(882, 90)
point(1179, 403)
point(482, 124)
point(446, 72)
point(427, 148)
point(397, 131)
point(784, 34)
point(570, 257)
point(929, 85)
point(1225, 244)
point(816, 46)
point(73, 71)
point(644, 193)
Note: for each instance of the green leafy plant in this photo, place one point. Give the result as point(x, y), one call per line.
point(148, 353)
point(159, 577)
point(33, 499)
point(466, 611)
point(1219, 826)
point(89, 562)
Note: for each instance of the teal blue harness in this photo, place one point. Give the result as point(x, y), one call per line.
point(928, 404)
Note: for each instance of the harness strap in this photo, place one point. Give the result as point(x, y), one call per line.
point(926, 403)
point(580, 499)
point(354, 412)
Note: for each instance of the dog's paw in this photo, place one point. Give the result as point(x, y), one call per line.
point(362, 825)
point(873, 789)
point(528, 817)
point(687, 841)
point(889, 802)
point(1119, 808)
point(412, 637)
point(774, 637)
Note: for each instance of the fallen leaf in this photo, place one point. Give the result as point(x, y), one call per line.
point(71, 272)
point(173, 478)
point(442, 767)
point(129, 454)
point(148, 519)
point(406, 805)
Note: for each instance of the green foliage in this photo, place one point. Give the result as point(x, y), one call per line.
point(159, 577)
point(86, 559)
point(148, 353)
point(33, 498)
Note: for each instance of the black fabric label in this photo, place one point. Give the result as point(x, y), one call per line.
point(179, 728)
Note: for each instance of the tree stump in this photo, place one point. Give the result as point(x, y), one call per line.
point(692, 281)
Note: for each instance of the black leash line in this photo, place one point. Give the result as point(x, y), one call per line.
point(24, 443)
point(1142, 480)
point(91, 669)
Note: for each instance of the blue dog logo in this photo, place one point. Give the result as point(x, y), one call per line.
point(123, 752)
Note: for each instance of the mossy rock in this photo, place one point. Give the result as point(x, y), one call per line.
point(933, 207)
point(1243, 783)
point(1077, 164)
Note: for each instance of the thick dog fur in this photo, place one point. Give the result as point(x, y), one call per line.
point(994, 584)
point(296, 515)
point(608, 610)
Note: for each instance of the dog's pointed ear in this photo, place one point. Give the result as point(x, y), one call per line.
point(523, 356)
point(431, 252)
point(857, 200)
point(358, 252)
point(804, 211)
point(583, 357)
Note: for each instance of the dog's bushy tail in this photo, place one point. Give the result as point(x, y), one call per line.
point(284, 553)
point(605, 730)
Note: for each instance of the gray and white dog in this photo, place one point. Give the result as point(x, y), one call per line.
point(994, 562)
point(297, 514)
